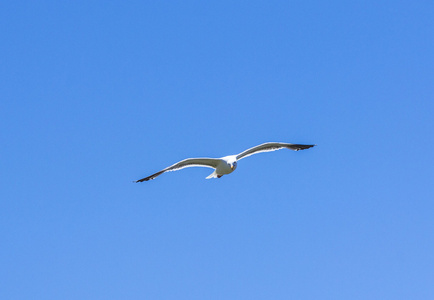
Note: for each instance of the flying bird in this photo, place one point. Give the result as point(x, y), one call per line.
point(227, 164)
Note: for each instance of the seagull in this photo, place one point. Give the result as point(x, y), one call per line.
point(228, 164)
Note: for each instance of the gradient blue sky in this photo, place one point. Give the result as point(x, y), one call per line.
point(96, 94)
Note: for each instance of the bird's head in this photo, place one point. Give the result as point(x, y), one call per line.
point(233, 165)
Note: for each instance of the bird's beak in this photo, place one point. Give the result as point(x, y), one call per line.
point(232, 167)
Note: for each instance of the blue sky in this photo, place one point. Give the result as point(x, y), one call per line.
point(97, 94)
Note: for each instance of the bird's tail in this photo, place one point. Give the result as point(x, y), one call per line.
point(212, 175)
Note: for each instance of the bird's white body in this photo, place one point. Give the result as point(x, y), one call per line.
point(228, 164)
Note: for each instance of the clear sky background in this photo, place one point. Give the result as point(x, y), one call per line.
point(96, 94)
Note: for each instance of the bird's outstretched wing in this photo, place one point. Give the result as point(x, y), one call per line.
point(189, 162)
point(267, 147)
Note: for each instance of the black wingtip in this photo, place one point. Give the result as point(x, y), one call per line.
point(144, 179)
point(303, 147)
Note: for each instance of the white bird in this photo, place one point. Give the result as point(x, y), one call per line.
point(227, 164)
